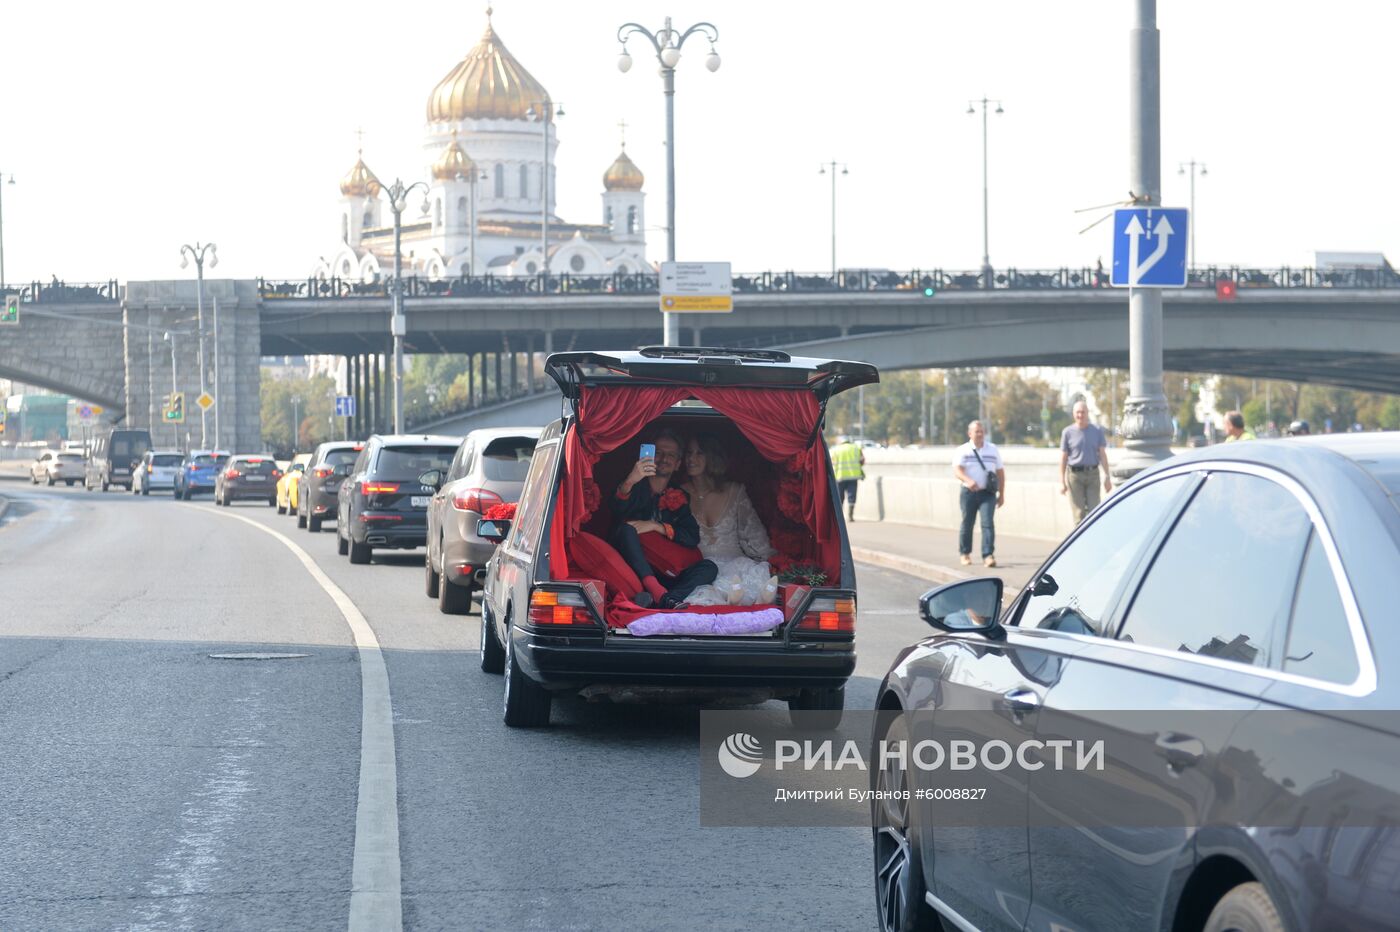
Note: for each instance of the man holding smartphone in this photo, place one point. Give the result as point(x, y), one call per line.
point(656, 533)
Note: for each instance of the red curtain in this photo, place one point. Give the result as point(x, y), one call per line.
point(779, 422)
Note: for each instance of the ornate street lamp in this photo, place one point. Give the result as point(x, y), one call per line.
point(541, 110)
point(833, 165)
point(986, 258)
point(398, 327)
point(1193, 168)
point(197, 252)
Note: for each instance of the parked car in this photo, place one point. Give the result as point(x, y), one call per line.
point(1254, 582)
point(316, 497)
point(56, 466)
point(247, 476)
point(382, 503)
point(197, 472)
point(114, 456)
point(287, 485)
point(553, 627)
point(156, 470)
point(489, 469)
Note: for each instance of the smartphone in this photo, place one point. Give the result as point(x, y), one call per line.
point(649, 451)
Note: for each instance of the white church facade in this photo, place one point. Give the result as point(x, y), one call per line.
point(485, 157)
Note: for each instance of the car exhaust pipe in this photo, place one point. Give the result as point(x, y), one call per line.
point(479, 577)
point(375, 539)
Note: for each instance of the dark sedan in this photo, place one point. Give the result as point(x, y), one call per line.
point(382, 503)
point(1226, 623)
point(245, 477)
point(316, 497)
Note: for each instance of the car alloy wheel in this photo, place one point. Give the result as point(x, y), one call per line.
point(899, 879)
point(431, 579)
point(526, 703)
point(493, 656)
point(1246, 908)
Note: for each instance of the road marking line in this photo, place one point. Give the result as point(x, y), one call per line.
point(376, 897)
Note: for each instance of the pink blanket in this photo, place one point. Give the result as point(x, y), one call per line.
point(764, 619)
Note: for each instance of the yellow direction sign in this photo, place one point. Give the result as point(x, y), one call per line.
point(205, 401)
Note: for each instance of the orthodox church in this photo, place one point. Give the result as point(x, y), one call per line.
point(486, 158)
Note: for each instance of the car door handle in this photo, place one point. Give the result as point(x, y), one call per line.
point(1021, 699)
point(1181, 751)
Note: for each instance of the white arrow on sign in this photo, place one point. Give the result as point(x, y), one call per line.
point(1135, 231)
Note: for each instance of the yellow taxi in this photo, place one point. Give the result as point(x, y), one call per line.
point(290, 482)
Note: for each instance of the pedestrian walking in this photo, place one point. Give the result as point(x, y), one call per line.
point(848, 462)
point(1234, 427)
point(1083, 454)
point(979, 467)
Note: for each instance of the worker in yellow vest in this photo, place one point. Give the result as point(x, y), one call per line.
point(848, 462)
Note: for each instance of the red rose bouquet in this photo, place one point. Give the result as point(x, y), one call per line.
point(504, 512)
point(673, 500)
point(790, 497)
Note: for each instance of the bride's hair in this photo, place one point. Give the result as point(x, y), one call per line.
point(716, 462)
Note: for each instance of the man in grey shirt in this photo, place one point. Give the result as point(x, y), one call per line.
point(1083, 453)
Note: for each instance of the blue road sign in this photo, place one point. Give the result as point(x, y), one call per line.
point(1149, 247)
point(344, 405)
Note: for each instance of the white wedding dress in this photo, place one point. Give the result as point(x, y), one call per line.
point(738, 546)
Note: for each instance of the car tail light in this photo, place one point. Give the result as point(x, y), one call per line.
point(252, 461)
point(370, 487)
point(381, 517)
point(323, 472)
point(461, 570)
point(829, 616)
point(477, 500)
point(277, 474)
point(232, 474)
point(554, 609)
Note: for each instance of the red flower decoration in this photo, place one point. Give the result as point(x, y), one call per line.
point(790, 497)
point(673, 500)
point(790, 544)
point(504, 512)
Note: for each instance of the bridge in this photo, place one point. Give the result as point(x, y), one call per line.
point(106, 344)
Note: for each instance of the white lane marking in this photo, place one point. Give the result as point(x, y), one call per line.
point(375, 881)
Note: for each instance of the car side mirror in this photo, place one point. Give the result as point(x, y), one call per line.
point(1045, 585)
point(432, 477)
point(966, 605)
point(494, 531)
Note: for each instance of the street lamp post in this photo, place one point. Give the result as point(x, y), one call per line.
point(834, 165)
point(197, 252)
point(541, 110)
point(2, 226)
point(474, 175)
point(986, 251)
point(1193, 168)
point(398, 327)
point(667, 42)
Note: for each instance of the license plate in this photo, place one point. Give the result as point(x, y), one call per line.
point(253, 478)
point(420, 501)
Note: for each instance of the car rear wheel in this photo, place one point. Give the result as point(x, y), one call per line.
point(1246, 908)
point(281, 508)
point(185, 496)
point(50, 478)
point(493, 655)
point(527, 703)
point(899, 875)
point(301, 520)
point(313, 524)
point(432, 582)
point(823, 707)
point(341, 547)
point(145, 490)
point(69, 482)
point(272, 503)
point(360, 553)
point(104, 484)
point(454, 599)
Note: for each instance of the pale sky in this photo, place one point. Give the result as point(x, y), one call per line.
point(132, 128)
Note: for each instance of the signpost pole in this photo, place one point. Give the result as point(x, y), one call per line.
point(1146, 421)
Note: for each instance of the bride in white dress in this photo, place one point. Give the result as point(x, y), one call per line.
point(731, 533)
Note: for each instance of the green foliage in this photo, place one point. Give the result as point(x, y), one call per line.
point(315, 409)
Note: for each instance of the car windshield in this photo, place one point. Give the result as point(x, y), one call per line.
point(257, 466)
point(166, 459)
point(410, 461)
point(507, 459)
point(206, 460)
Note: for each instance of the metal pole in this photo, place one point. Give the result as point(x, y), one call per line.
point(671, 323)
point(150, 374)
point(947, 405)
point(2, 230)
point(1146, 421)
point(199, 302)
point(397, 324)
point(218, 371)
point(475, 172)
point(986, 250)
point(544, 197)
point(833, 221)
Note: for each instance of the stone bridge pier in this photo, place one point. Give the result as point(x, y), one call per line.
point(155, 364)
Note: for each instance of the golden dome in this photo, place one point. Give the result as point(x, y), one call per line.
point(623, 175)
point(360, 181)
point(453, 162)
point(489, 84)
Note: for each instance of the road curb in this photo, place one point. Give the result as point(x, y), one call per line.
point(919, 568)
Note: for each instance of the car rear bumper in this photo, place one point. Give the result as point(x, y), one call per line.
point(457, 552)
point(567, 663)
point(263, 492)
point(401, 534)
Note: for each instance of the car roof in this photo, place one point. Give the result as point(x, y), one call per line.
point(491, 433)
point(419, 440)
point(208, 453)
point(707, 365)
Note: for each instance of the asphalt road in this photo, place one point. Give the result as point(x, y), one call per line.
point(147, 785)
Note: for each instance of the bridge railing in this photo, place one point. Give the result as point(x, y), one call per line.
point(426, 413)
point(844, 281)
point(61, 292)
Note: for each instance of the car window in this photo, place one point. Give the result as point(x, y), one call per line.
point(1319, 642)
point(121, 447)
point(459, 462)
point(166, 459)
point(69, 458)
point(533, 499)
point(260, 467)
point(507, 459)
point(1078, 587)
point(206, 460)
point(340, 457)
point(1222, 583)
point(411, 461)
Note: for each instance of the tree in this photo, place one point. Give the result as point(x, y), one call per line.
point(314, 406)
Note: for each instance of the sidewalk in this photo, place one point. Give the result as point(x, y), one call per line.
point(932, 553)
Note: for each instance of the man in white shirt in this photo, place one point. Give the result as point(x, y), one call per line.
point(978, 466)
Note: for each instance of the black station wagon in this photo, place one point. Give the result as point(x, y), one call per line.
point(553, 626)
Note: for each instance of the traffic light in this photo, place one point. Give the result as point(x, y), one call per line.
point(11, 313)
point(175, 408)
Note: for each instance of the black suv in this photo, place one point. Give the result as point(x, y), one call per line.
point(554, 626)
point(247, 476)
point(382, 503)
point(330, 464)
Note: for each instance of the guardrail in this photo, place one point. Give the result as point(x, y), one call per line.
point(61, 292)
point(845, 281)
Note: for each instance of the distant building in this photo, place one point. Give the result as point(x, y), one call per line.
point(482, 142)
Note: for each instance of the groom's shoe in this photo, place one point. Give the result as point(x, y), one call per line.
point(643, 599)
point(671, 600)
